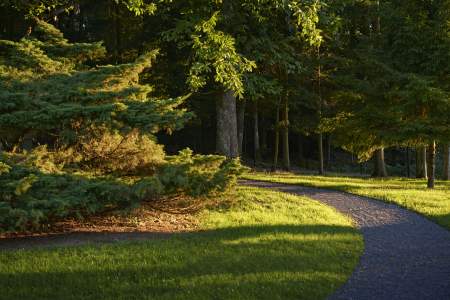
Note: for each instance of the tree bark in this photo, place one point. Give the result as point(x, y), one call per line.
point(277, 139)
point(431, 162)
point(329, 149)
point(286, 158)
point(320, 144)
point(241, 125)
point(256, 147)
point(226, 137)
point(446, 171)
point(234, 144)
point(421, 162)
point(379, 164)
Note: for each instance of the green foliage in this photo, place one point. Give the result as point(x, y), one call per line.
point(199, 174)
point(32, 199)
point(36, 8)
point(107, 152)
point(98, 124)
point(67, 98)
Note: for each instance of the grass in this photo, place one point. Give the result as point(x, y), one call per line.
point(409, 193)
point(267, 245)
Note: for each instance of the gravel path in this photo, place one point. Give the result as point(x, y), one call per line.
point(406, 256)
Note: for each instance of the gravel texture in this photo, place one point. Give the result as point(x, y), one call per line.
point(406, 256)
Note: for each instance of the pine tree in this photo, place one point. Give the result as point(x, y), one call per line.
point(46, 90)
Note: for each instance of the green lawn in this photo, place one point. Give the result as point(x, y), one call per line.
point(409, 193)
point(268, 245)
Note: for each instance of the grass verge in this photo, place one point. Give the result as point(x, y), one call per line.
point(408, 193)
point(267, 245)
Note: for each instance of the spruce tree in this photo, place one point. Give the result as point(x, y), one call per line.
point(48, 91)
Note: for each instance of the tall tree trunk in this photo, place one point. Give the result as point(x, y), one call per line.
point(116, 32)
point(226, 136)
point(446, 171)
point(319, 90)
point(234, 144)
point(277, 139)
point(222, 134)
point(431, 162)
point(320, 144)
point(329, 149)
point(286, 159)
point(379, 164)
point(257, 147)
point(241, 125)
point(421, 162)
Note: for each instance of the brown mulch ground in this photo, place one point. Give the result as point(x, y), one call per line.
point(143, 223)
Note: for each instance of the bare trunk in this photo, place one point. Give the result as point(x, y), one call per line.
point(446, 173)
point(431, 162)
point(320, 144)
point(257, 147)
point(222, 136)
point(379, 164)
point(286, 159)
point(226, 137)
point(421, 162)
point(232, 115)
point(277, 139)
point(241, 124)
point(329, 149)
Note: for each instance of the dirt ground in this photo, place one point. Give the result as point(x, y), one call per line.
point(143, 223)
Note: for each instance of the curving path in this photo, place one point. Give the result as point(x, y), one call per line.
point(406, 256)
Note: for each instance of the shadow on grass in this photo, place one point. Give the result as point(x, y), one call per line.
point(250, 262)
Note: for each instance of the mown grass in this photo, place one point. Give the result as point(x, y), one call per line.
point(409, 193)
point(267, 245)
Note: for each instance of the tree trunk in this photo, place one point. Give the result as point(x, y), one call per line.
point(446, 172)
point(116, 33)
point(329, 149)
point(241, 125)
point(277, 139)
point(320, 144)
point(431, 162)
point(257, 147)
point(421, 162)
point(226, 137)
point(379, 164)
point(234, 144)
point(286, 159)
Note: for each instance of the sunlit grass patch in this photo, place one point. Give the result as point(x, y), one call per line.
point(409, 193)
point(267, 245)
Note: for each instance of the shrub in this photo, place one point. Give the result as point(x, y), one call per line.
point(31, 199)
point(198, 175)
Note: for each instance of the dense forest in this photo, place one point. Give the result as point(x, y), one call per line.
point(91, 90)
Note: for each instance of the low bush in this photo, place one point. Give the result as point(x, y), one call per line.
point(33, 198)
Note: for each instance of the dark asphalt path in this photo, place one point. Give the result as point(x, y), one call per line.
point(406, 256)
